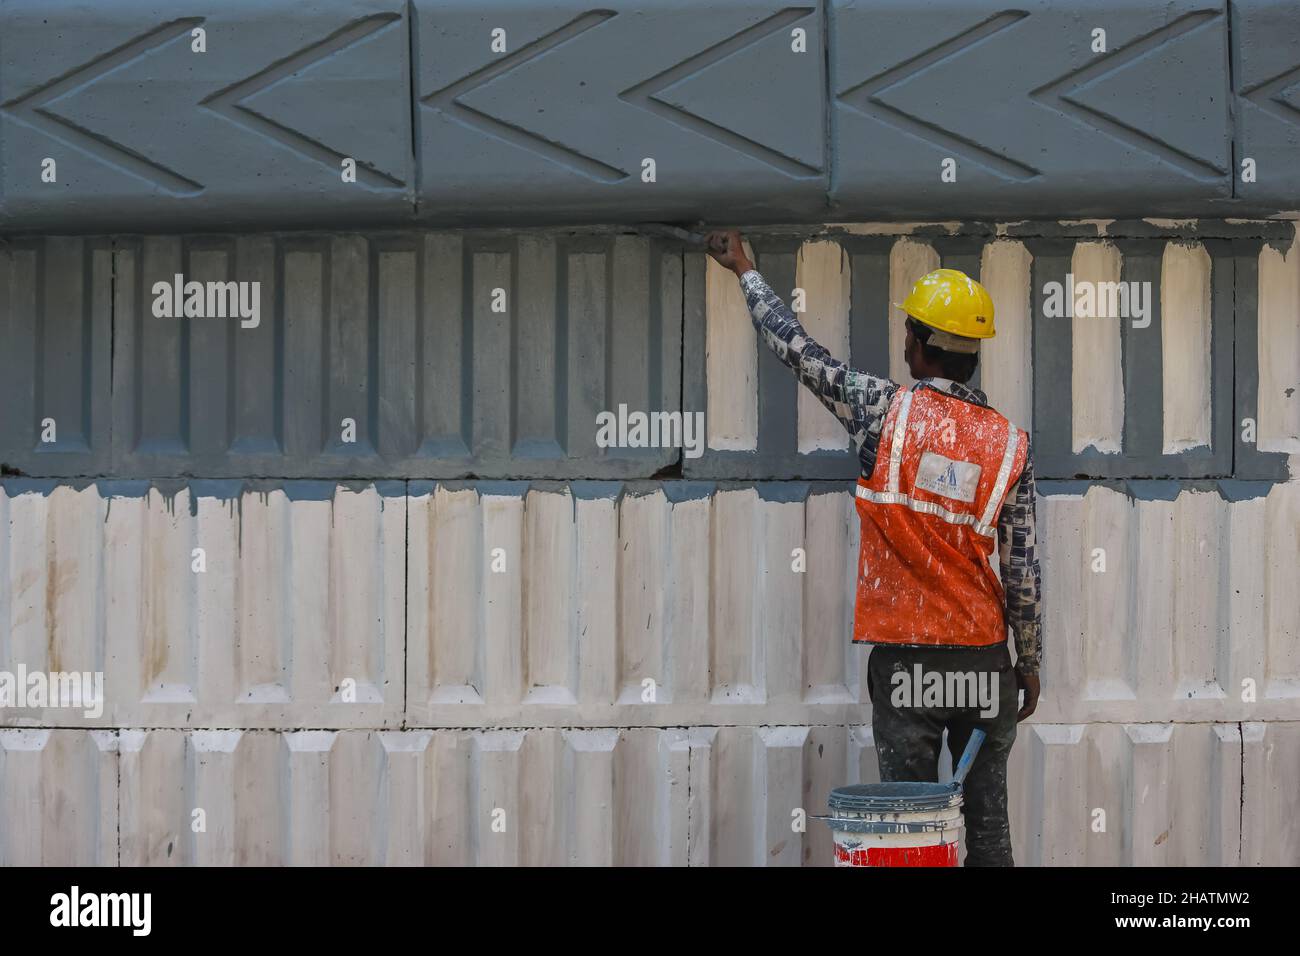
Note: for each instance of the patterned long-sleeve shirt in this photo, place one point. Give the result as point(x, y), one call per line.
point(860, 401)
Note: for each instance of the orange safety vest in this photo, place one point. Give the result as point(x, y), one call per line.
point(929, 523)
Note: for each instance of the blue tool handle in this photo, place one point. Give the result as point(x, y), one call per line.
point(968, 756)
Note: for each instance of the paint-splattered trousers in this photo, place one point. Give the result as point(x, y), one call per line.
point(908, 730)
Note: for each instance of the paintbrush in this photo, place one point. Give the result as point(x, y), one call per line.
point(680, 233)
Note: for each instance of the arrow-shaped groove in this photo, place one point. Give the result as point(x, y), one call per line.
point(33, 110)
point(229, 103)
point(446, 101)
point(1115, 128)
point(644, 94)
point(868, 94)
point(1263, 95)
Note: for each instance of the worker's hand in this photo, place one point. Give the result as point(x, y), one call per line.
point(728, 250)
point(1029, 684)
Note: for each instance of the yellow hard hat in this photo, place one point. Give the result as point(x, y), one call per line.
point(951, 302)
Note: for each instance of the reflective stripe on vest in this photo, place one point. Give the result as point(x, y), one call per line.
point(896, 448)
point(1004, 473)
point(926, 508)
point(984, 525)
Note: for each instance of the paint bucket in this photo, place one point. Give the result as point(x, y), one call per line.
point(896, 824)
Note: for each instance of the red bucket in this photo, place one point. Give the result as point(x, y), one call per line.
point(896, 824)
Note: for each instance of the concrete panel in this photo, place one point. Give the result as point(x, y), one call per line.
point(1125, 795)
point(592, 323)
point(207, 798)
point(1115, 396)
point(1265, 295)
point(557, 108)
point(250, 121)
point(58, 798)
point(1185, 337)
point(1278, 348)
point(56, 326)
point(1281, 663)
point(757, 778)
point(1050, 109)
point(1006, 369)
point(1191, 592)
point(175, 118)
point(601, 604)
point(832, 670)
point(732, 364)
point(265, 605)
point(823, 283)
point(1265, 72)
point(1271, 753)
point(1094, 794)
point(624, 605)
point(542, 797)
point(1097, 412)
point(431, 355)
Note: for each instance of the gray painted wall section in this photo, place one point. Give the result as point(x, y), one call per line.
point(1234, 375)
point(1248, 461)
point(147, 133)
point(1266, 83)
point(1020, 98)
point(1141, 453)
point(557, 126)
point(56, 302)
point(151, 136)
point(396, 332)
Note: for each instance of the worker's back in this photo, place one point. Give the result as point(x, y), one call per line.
point(929, 522)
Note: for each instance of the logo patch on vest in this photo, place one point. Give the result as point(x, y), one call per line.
point(951, 479)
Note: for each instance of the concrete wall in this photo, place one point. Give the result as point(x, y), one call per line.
point(499, 633)
point(182, 115)
point(453, 355)
point(489, 354)
point(1148, 397)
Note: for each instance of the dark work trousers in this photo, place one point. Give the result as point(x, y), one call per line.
point(908, 735)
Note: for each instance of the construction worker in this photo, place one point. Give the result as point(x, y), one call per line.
point(943, 477)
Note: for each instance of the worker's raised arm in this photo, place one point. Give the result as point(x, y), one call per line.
point(854, 397)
